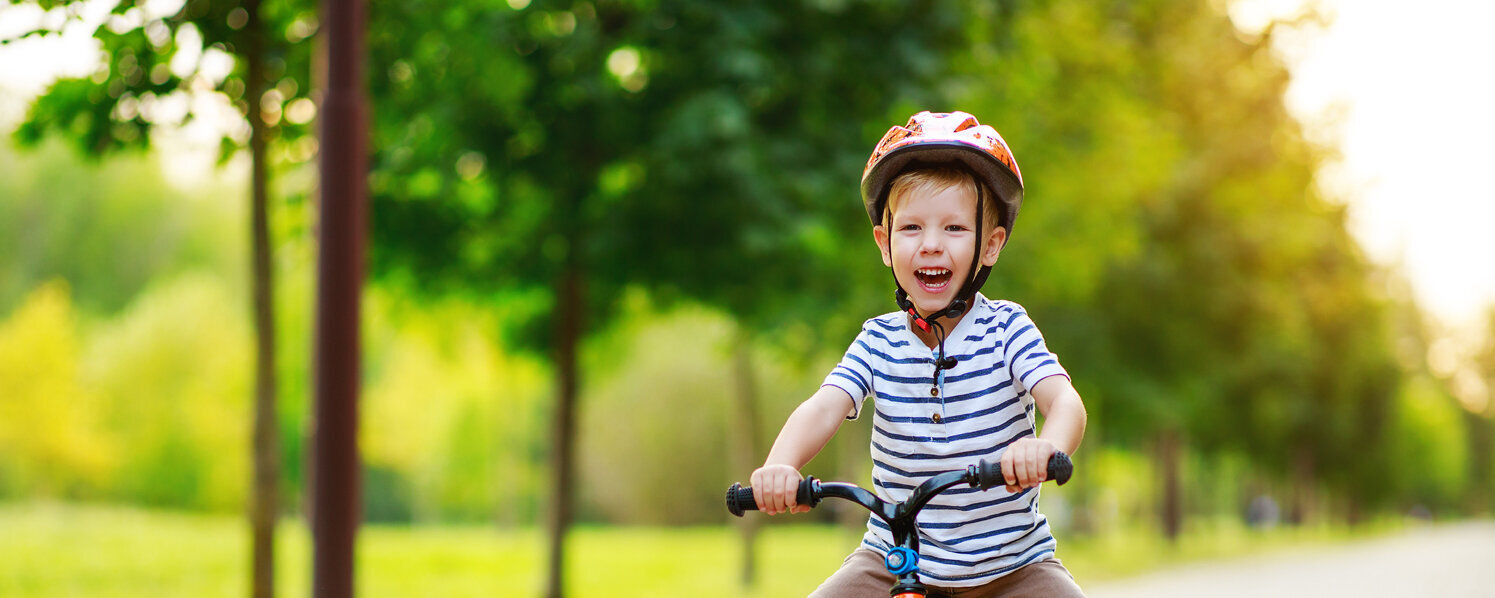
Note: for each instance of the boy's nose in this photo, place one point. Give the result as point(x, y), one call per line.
point(930, 244)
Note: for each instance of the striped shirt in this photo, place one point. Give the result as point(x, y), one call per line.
point(967, 537)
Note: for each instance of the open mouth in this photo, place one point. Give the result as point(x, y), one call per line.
point(933, 279)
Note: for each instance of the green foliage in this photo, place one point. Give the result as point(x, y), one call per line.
point(50, 441)
point(636, 452)
point(159, 63)
point(108, 227)
point(174, 386)
point(143, 408)
point(653, 372)
point(159, 69)
point(452, 414)
point(682, 146)
point(1111, 489)
point(120, 357)
point(1174, 244)
point(1430, 452)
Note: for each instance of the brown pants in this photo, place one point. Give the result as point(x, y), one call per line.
point(864, 576)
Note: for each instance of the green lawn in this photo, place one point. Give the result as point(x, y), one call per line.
point(94, 551)
point(99, 551)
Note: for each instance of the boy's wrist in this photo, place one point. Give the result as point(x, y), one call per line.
point(1064, 445)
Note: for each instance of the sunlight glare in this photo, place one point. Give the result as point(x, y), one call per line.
point(1405, 94)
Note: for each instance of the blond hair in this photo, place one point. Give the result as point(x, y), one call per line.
point(934, 180)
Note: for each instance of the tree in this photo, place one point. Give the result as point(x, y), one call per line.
point(1475, 389)
point(157, 61)
point(1209, 295)
point(552, 155)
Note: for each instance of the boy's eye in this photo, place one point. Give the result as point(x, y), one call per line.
point(955, 228)
point(909, 227)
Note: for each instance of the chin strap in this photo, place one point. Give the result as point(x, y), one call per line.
point(931, 324)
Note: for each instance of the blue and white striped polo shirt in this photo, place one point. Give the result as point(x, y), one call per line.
point(967, 537)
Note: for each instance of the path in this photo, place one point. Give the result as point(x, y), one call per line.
point(1444, 561)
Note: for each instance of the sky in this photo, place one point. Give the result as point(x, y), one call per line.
point(1403, 90)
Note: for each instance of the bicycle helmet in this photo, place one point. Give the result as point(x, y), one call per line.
point(955, 138)
point(947, 139)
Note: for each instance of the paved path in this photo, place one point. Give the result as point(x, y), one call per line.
point(1444, 561)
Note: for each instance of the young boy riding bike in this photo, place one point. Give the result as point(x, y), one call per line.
point(955, 375)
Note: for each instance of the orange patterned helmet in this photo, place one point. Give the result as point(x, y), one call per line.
point(944, 138)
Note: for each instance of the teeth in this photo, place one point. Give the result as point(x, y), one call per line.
point(934, 278)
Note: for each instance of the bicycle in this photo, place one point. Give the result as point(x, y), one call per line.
point(903, 560)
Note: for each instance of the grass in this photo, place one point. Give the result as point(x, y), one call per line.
point(100, 551)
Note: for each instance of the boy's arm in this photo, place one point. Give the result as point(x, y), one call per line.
point(806, 432)
point(1025, 463)
point(1063, 413)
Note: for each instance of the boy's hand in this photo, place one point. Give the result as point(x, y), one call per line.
point(774, 487)
point(1025, 463)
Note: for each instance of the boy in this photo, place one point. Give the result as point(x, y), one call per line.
point(956, 376)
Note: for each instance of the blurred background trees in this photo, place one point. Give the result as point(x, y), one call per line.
point(161, 72)
point(638, 223)
point(692, 150)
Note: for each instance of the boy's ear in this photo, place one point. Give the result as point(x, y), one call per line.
point(880, 234)
point(994, 244)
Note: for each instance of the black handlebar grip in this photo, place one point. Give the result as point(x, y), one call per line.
point(741, 499)
point(1060, 467)
point(989, 475)
point(806, 494)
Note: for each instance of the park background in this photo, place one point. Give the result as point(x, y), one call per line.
point(647, 212)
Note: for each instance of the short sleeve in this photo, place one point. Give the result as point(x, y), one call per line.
point(854, 373)
point(1028, 357)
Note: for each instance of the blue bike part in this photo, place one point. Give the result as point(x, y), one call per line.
point(901, 560)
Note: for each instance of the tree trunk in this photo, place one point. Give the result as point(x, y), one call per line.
point(337, 506)
point(265, 496)
point(743, 427)
point(1169, 457)
point(1301, 509)
point(1481, 437)
point(568, 326)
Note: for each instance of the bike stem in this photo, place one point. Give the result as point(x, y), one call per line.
point(900, 517)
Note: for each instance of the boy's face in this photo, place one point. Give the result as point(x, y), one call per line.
point(929, 245)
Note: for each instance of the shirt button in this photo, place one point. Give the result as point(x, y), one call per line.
point(936, 418)
point(934, 391)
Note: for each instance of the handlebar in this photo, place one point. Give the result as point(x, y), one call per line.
point(983, 475)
